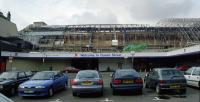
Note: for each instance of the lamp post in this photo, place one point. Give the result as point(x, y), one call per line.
point(125, 57)
point(43, 60)
point(132, 57)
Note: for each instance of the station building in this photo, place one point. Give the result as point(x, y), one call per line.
point(172, 42)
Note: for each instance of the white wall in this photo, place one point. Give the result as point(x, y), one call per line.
point(36, 64)
point(7, 28)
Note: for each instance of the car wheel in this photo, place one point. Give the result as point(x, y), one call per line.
point(51, 92)
point(140, 91)
point(12, 91)
point(66, 86)
point(146, 85)
point(101, 93)
point(74, 94)
point(183, 91)
point(158, 90)
point(114, 92)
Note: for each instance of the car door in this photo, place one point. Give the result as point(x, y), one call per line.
point(195, 77)
point(188, 74)
point(21, 77)
point(57, 81)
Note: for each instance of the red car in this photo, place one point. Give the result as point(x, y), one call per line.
point(71, 70)
point(183, 67)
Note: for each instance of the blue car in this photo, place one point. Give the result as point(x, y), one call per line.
point(126, 80)
point(43, 83)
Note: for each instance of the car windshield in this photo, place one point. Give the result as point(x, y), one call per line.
point(8, 75)
point(171, 73)
point(43, 76)
point(127, 73)
point(87, 74)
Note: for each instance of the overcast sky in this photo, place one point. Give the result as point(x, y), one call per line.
point(63, 12)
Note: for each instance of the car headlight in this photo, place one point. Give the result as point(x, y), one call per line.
point(21, 86)
point(40, 87)
point(1, 86)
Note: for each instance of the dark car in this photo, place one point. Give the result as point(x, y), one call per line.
point(71, 70)
point(44, 83)
point(163, 79)
point(9, 81)
point(87, 81)
point(126, 80)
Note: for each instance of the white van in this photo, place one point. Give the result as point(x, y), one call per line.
point(192, 76)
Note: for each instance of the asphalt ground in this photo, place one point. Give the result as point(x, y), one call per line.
point(149, 95)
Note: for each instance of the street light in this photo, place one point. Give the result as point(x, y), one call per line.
point(132, 56)
point(125, 57)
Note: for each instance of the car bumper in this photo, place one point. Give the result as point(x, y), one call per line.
point(173, 86)
point(87, 89)
point(5, 90)
point(33, 92)
point(128, 87)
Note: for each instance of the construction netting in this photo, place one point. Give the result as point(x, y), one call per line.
point(135, 47)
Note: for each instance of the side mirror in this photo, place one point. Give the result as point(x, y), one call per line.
point(55, 77)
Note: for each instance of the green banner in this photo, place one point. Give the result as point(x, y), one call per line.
point(135, 47)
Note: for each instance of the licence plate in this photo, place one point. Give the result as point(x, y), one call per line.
point(127, 81)
point(175, 86)
point(87, 83)
point(28, 91)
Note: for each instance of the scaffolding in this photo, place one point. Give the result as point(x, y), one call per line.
point(98, 37)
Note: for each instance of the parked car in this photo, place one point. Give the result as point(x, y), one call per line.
point(29, 74)
point(192, 76)
point(87, 81)
point(183, 67)
point(126, 80)
point(43, 83)
point(166, 79)
point(9, 81)
point(71, 70)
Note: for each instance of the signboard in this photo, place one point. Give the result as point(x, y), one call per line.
point(100, 55)
point(10, 59)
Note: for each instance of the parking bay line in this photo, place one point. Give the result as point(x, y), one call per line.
point(106, 100)
point(57, 100)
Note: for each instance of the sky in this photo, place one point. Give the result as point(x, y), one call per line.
point(66, 12)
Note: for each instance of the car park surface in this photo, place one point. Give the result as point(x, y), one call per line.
point(192, 95)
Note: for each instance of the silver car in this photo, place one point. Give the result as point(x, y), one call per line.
point(87, 81)
point(192, 76)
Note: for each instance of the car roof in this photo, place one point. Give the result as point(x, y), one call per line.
point(89, 70)
point(50, 71)
point(15, 71)
point(164, 69)
point(95, 71)
point(119, 70)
